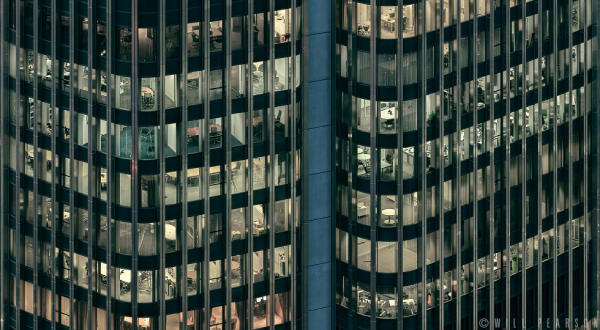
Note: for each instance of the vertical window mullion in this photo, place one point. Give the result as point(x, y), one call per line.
point(184, 162)
point(523, 165)
point(475, 182)
point(400, 169)
point(422, 181)
point(458, 161)
point(161, 159)
point(586, 149)
point(91, 175)
point(555, 161)
point(570, 183)
point(373, 210)
point(539, 159)
point(19, 159)
point(227, 219)
point(135, 179)
point(109, 160)
point(440, 190)
point(36, 157)
point(271, 163)
point(250, 134)
point(292, 165)
point(72, 19)
point(491, 189)
point(507, 160)
point(206, 163)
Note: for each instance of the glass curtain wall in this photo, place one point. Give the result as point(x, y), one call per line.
point(151, 163)
point(463, 160)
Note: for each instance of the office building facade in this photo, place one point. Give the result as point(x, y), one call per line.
point(249, 164)
point(151, 164)
point(466, 164)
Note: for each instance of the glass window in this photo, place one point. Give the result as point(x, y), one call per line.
point(171, 91)
point(259, 219)
point(363, 299)
point(259, 29)
point(281, 123)
point(388, 116)
point(259, 72)
point(148, 142)
point(238, 33)
point(387, 257)
point(122, 141)
point(171, 238)
point(238, 223)
point(389, 211)
point(150, 192)
point(124, 44)
point(172, 41)
point(216, 179)
point(363, 160)
point(409, 255)
point(215, 133)
point(282, 215)
point(386, 303)
point(363, 20)
point(363, 67)
point(147, 40)
point(216, 36)
point(260, 172)
point(171, 147)
point(194, 36)
point(101, 92)
point(147, 240)
point(146, 280)
point(122, 99)
point(238, 129)
point(148, 94)
point(238, 81)
point(216, 85)
point(101, 38)
point(282, 25)
point(386, 70)
point(363, 208)
point(45, 70)
point(100, 134)
point(281, 79)
point(82, 32)
point(194, 87)
point(171, 187)
point(342, 245)
point(387, 23)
